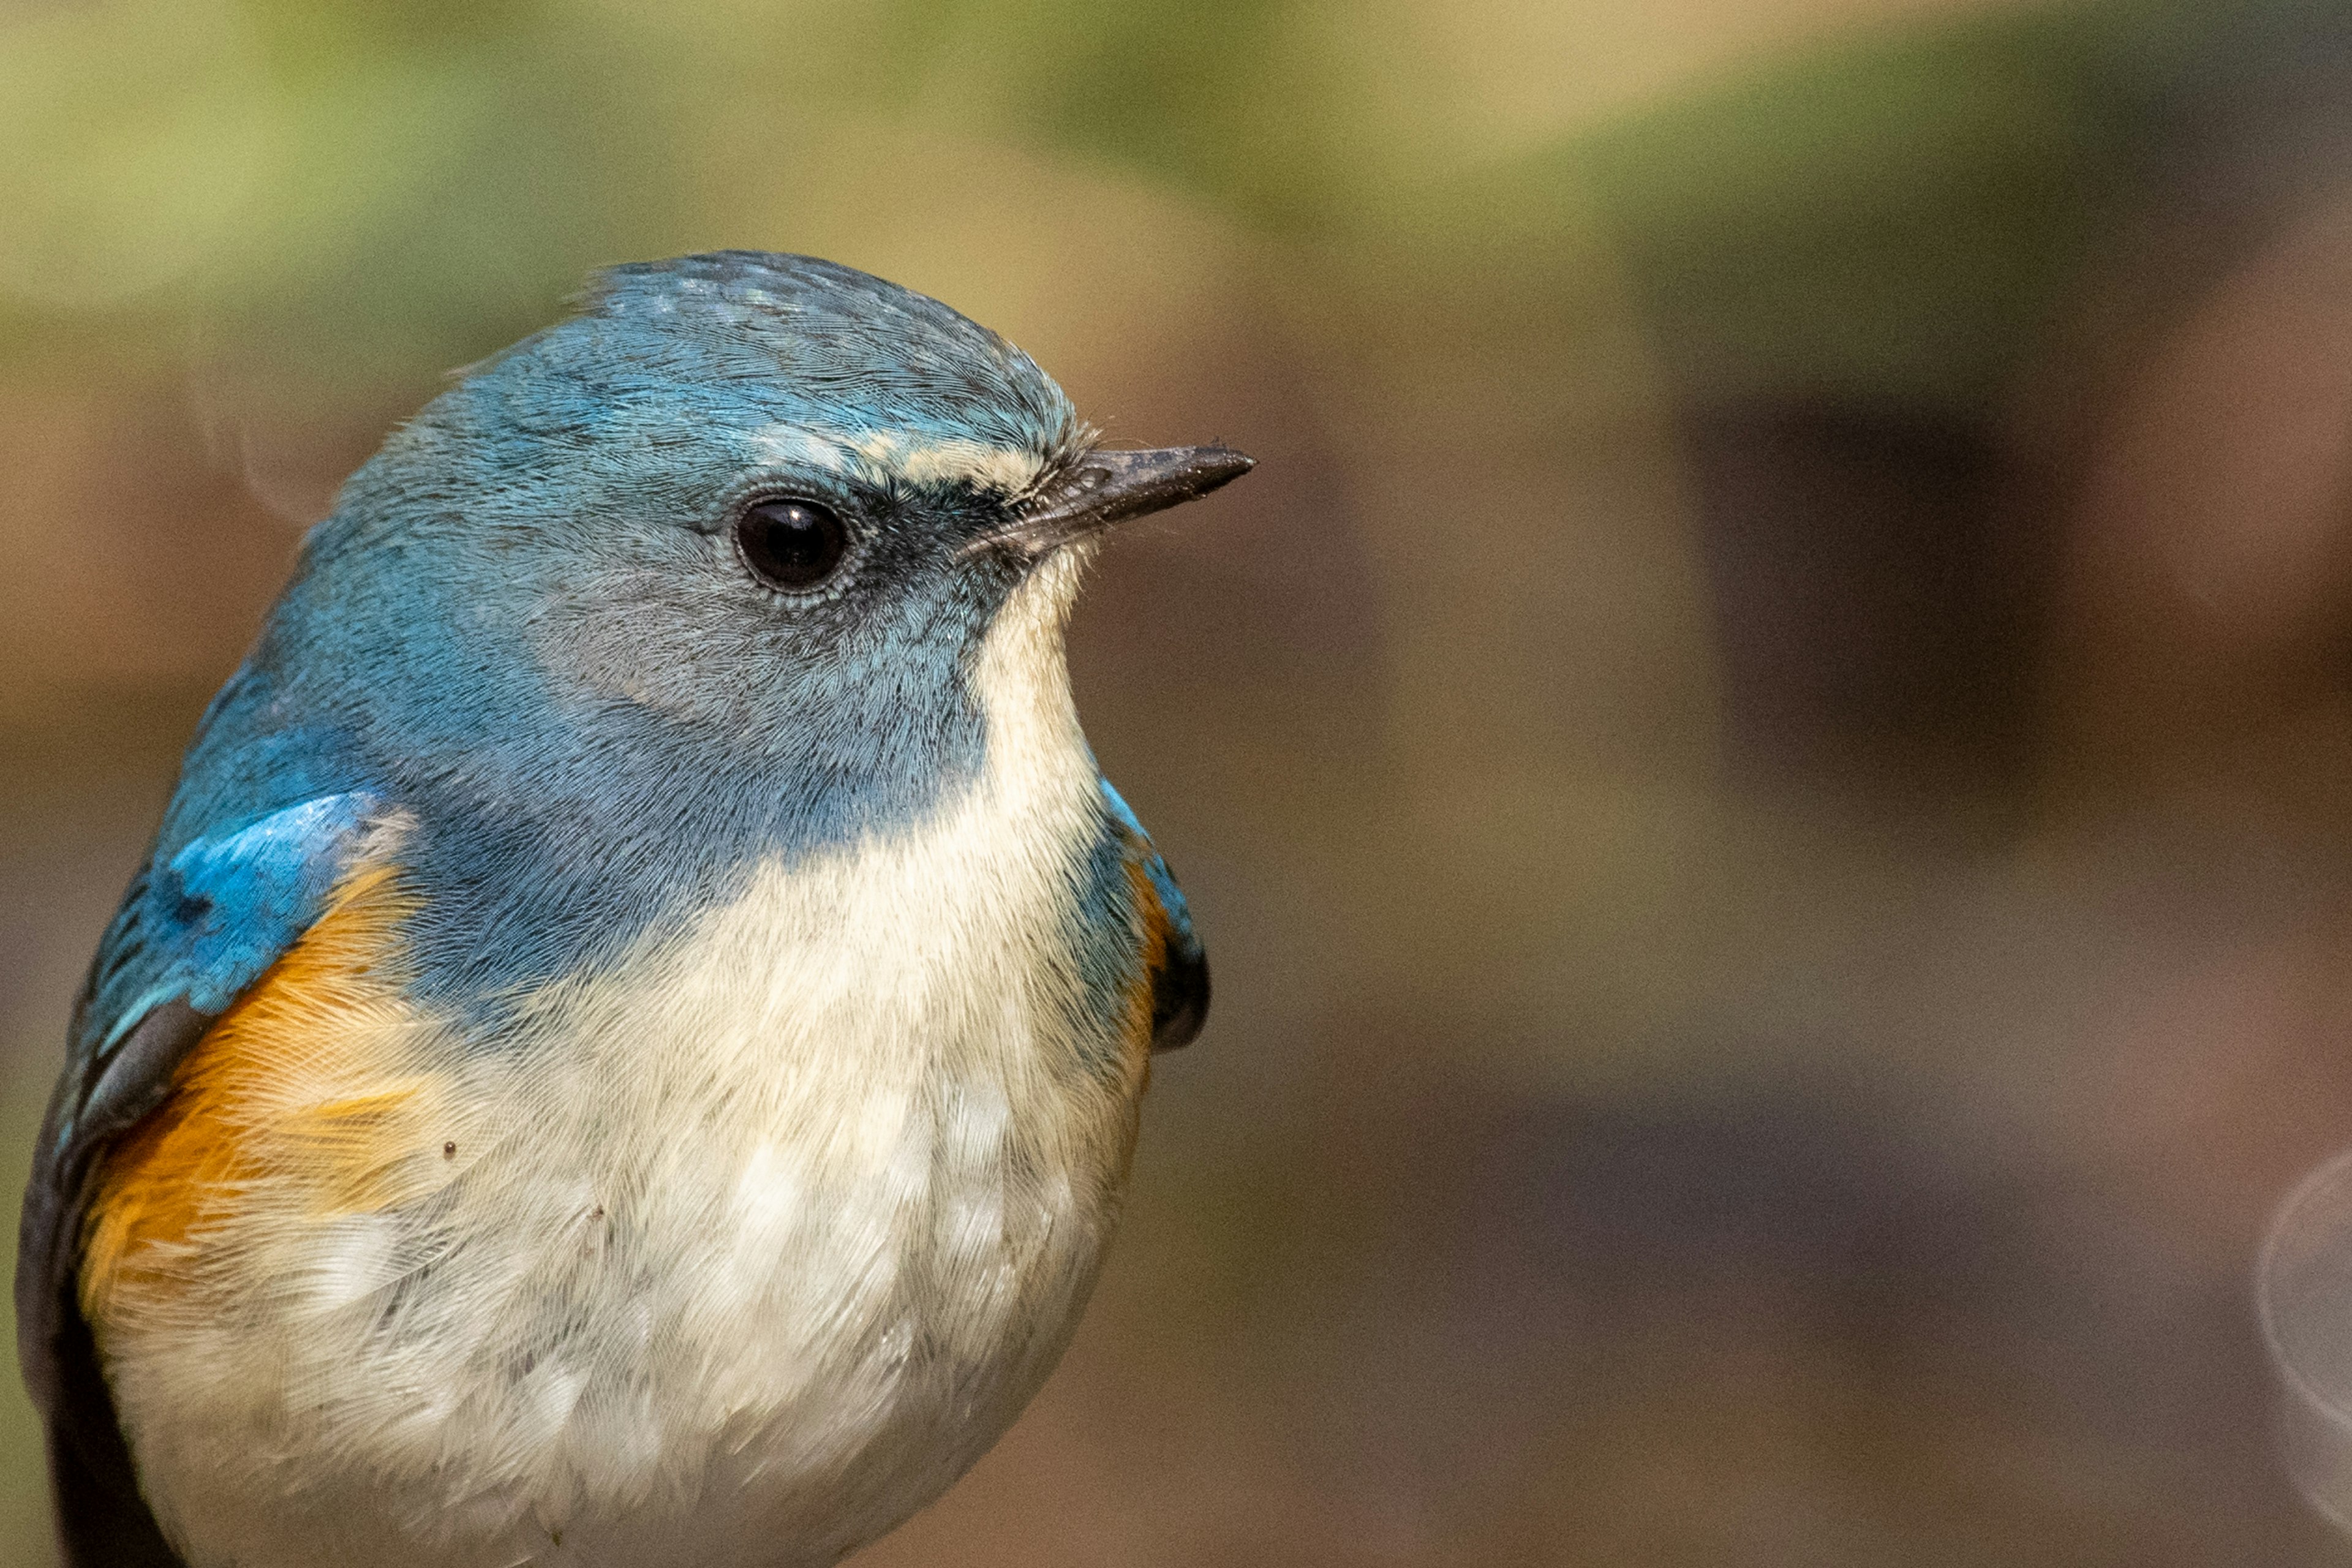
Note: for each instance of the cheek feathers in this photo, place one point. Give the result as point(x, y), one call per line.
point(294, 1107)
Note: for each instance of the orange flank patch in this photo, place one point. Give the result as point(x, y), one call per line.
point(1156, 931)
point(293, 1107)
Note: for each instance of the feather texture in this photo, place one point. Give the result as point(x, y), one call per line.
point(608, 1064)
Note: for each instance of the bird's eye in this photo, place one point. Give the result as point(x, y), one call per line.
point(794, 545)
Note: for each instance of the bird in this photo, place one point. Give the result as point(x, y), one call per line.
point(626, 1046)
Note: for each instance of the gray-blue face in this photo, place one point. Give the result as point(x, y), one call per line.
point(690, 579)
point(603, 514)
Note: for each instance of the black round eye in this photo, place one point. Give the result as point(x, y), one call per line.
point(792, 544)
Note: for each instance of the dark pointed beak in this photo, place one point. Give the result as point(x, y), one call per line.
point(1103, 487)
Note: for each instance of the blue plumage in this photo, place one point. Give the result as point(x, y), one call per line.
point(223, 909)
point(553, 518)
point(1155, 867)
point(540, 660)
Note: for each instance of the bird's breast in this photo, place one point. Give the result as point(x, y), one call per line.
point(737, 1250)
point(734, 1249)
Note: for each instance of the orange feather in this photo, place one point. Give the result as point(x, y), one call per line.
point(269, 1105)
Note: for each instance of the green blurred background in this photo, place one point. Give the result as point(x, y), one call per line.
point(1767, 760)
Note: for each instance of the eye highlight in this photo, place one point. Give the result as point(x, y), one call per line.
point(790, 545)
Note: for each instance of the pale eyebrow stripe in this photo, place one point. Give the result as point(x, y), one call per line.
point(794, 443)
point(1009, 471)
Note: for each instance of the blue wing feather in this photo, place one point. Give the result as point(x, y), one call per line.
point(200, 927)
point(1179, 986)
point(201, 922)
point(1155, 867)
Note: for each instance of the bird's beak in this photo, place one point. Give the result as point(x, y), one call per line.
point(1104, 487)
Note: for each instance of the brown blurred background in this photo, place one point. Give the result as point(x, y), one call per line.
point(1767, 761)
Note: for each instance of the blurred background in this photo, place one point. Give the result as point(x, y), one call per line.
point(1766, 762)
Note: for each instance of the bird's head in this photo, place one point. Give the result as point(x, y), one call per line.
point(757, 507)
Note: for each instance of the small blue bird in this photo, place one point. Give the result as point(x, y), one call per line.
point(625, 1050)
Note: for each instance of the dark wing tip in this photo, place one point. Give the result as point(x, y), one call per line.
point(1180, 998)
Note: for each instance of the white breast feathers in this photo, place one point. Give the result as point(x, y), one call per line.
point(738, 1254)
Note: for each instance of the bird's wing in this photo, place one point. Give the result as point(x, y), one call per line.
point(1177, 965)
point(199, 925)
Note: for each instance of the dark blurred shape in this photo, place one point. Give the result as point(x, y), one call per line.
point(1870, 578)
